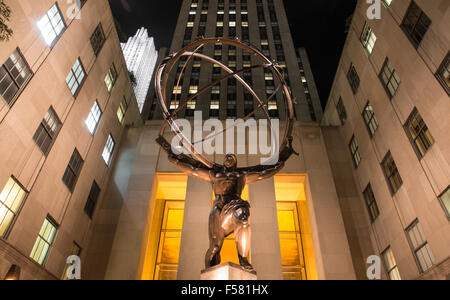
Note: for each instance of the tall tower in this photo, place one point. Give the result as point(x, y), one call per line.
point(141, 56)
point(261, 23)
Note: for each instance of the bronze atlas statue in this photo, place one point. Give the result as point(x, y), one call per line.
point(230, 214)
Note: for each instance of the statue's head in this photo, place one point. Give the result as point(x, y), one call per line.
point(230, 161)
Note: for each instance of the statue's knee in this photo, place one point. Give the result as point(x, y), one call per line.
point(242, 214)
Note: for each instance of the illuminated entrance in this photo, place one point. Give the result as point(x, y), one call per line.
point(165, 221)
point(297, 253)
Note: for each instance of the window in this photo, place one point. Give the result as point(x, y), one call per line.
point(445, 201)
point(93, 119)
point(73, 170)
point(76, 77)
point(11, 201)
point(391, 264)
point(391, 172)
point(122, 111)
point(47, 131)
point(368, 39)
point(443, 74)
point(44, 242)
point(371, 203)
point(109, 149)
point(389, 78)
point(92, 200)
point(111, 78)
point(415, 24)
point(370, 119)
point(342, 112)
point(387, 2)
point(14, 76)
point(420, 247)
point(353, 79)
point(97, 39)
point(419, 134)
point(51, 26)
point(354, 150)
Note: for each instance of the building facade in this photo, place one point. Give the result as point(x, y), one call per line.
point(141, 56)
point(389, 107)
point(66, 98)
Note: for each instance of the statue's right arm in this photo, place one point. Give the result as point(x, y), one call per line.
point(197, 172)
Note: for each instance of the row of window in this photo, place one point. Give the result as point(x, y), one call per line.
point(415, 25)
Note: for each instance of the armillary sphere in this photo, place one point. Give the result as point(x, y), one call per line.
point(192, 50)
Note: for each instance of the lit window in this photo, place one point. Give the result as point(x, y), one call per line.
point(216, 90)
point(232, 12)
point(272, 105)
point(109, 149)
point(390, 79)
point(192, 12)
point(391, 264)
point(191, 104)
point(111, 78)
point(204, 12)
point(445, 201)
point(232, 24)
point(93, 118)
point(232, 64)
point(269, 76)
point(244, 24)
point(420, 247)
point(215, 104)
point(177, 90)
point(370, 119)
point(45, 135)
point(247, 64)
point(391, 172)
point(368, 39)
point(14, 76)
point(121, 112)
point(387, 2)
point(354, 150)
point(190, 24)
point(51, 25)
point(174, 104)
point(44, 242)
point(264, 43)
point(419, 133)
point(193, 89)
point(76, 77)
point(11, 201)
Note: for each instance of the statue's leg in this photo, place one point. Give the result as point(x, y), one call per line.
point(242, 235)
point(216, 239)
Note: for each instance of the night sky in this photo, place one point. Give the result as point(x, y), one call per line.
point(317, 25)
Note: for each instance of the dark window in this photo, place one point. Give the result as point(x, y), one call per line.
point(14, 76)
point(420, 247)
point(354, 150)
point(342, 112)
point(97, 39)
point(443, 74)
point(353, 79)
point(415, 24)
point(371, 203)
point(391, 172)
point(390, 79)
point(73, 170)
point(91, 202)
point(47, 131)
point(419, 133)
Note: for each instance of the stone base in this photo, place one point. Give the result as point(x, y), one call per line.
point(227, 271)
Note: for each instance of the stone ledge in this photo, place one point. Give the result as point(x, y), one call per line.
point(227, 271)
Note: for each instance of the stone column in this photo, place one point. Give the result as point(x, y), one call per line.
point(265, 251)
point(194, 238)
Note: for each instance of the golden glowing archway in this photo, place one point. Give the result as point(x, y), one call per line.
point(297, 253)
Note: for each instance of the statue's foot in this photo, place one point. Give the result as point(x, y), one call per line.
point(246, 265)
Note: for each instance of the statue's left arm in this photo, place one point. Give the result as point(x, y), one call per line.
point(267, 172)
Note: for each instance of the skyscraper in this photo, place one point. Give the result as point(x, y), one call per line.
point(141, 56)
point(262, 24)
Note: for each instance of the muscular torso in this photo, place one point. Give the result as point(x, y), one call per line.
point(228, 184)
